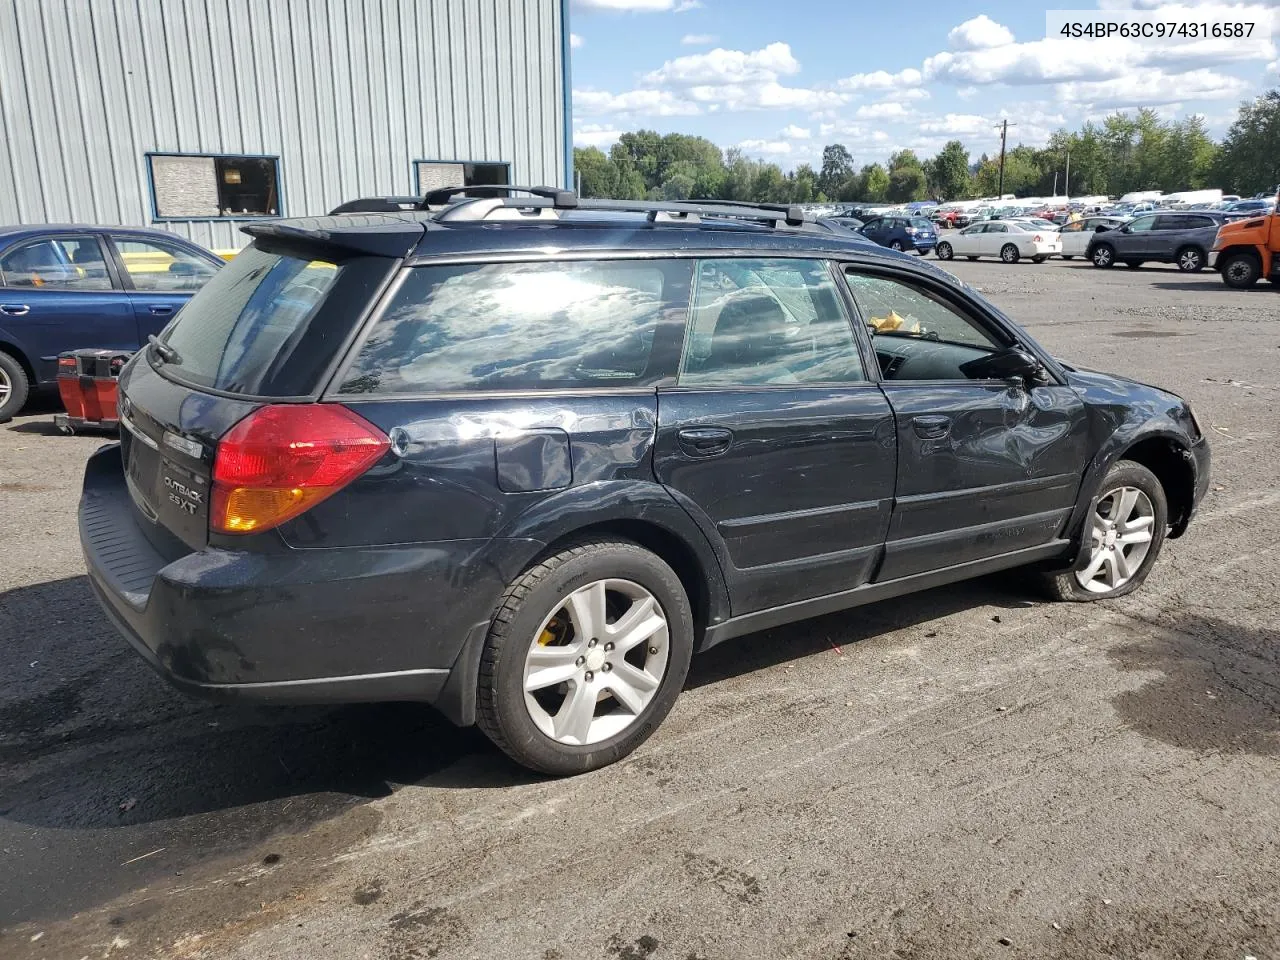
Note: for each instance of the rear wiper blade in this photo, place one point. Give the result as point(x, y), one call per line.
point(163, 350)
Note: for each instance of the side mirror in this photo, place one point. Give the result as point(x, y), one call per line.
point(1125, 229)
point(1012, 363)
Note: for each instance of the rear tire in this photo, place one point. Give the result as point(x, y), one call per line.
point(944, 251)
point(14, 387)
point(1104, 255)
point(1009, 253)
point(609, 700)
point(1131, 502)
point(1240, 271)
point(896, 245)
point(1190, 259)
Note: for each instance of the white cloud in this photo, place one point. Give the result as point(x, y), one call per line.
point(1273, 66)
point(634, 6)
point(764, 96)
point(826, 129)
point(979, 33)
point(658, 103)
point(698, 39)
point(965, 93)
point(775, 148)
point(595, 135)
point(957, 125)
point(793, 132)
point(684, 6)
point(576, 41)
point(881, 80)
point(1151, 88)
point(720, 66)
point(881, 111)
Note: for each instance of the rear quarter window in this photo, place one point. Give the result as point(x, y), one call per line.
point(526, 326)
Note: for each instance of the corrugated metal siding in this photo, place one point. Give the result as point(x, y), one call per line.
point(347, 93)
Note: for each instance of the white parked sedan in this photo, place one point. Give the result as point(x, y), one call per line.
point(1076, 236)
point(1005, 239)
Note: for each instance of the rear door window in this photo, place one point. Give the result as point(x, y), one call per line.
point(526, 326)
point(269, 324)
point(770, 322)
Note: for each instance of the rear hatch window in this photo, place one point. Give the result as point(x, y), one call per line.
point(270, 322)
point(921, 223)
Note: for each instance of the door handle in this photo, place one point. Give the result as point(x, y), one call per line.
point(931, 427)
point(15, 309)
point(704, 441)
point(161, 310)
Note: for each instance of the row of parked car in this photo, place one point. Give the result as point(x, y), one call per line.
point(1181, 237)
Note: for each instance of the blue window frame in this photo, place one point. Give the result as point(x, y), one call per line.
point(214, 186)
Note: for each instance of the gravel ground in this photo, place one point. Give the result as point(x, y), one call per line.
point(968, 772)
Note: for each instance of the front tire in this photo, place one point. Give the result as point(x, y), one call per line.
point(1104, 255)
point(944, 251)
point(1126, 529)
point(1009, 253)
point(585, 657)
point(13, 387)
point(1240, 271)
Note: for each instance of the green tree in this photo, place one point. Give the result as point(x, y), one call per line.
point(837, 168)
point(872, 184)
point(950, 174)
point(906, 177)
point(596, 172)
point(1249, 159)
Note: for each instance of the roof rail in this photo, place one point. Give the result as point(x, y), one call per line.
point(775, 215)
point(563, 199)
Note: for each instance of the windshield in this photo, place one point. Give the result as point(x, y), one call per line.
point(268, 323)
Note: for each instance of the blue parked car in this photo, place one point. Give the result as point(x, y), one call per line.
point(902, 233)
point(65, 287)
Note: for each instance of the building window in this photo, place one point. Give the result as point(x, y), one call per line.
point(189, 187)
point(433, 175)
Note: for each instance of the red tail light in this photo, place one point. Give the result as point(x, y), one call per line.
point(284, 459)
point(1036, 238)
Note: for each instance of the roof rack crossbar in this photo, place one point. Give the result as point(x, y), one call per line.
point(563, 199)
point(656, 211)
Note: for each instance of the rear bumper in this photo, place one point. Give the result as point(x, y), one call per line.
point(292, 626)
point(926, 244)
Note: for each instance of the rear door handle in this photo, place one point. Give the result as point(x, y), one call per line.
point(704, 441)
point(931, 427)
point(15, 309)
point(161, 310)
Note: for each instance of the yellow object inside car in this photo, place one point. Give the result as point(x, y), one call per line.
point(893, 322)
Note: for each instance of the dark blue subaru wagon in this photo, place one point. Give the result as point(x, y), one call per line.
point(524, 456)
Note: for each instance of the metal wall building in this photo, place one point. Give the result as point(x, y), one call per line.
point(197, 115)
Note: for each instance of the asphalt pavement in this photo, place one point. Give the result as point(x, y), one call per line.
point(969, 772)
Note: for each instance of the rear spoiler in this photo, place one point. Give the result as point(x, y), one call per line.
point(340, 237)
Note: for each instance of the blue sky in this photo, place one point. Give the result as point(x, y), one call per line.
point(781, 79)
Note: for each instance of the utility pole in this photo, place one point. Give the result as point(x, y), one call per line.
point(1055, 183)
point(1066, 189)
point(1004, 133)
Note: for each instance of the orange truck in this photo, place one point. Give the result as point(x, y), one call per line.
point(1245, 250)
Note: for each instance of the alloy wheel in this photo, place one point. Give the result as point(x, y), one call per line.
point(1102, 256)
point(1189, 260)
point(596, 662)
point(6, 387)
point(1120, 535)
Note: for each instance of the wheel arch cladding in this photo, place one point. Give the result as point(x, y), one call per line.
point(1170, 461)
point(708, 596)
